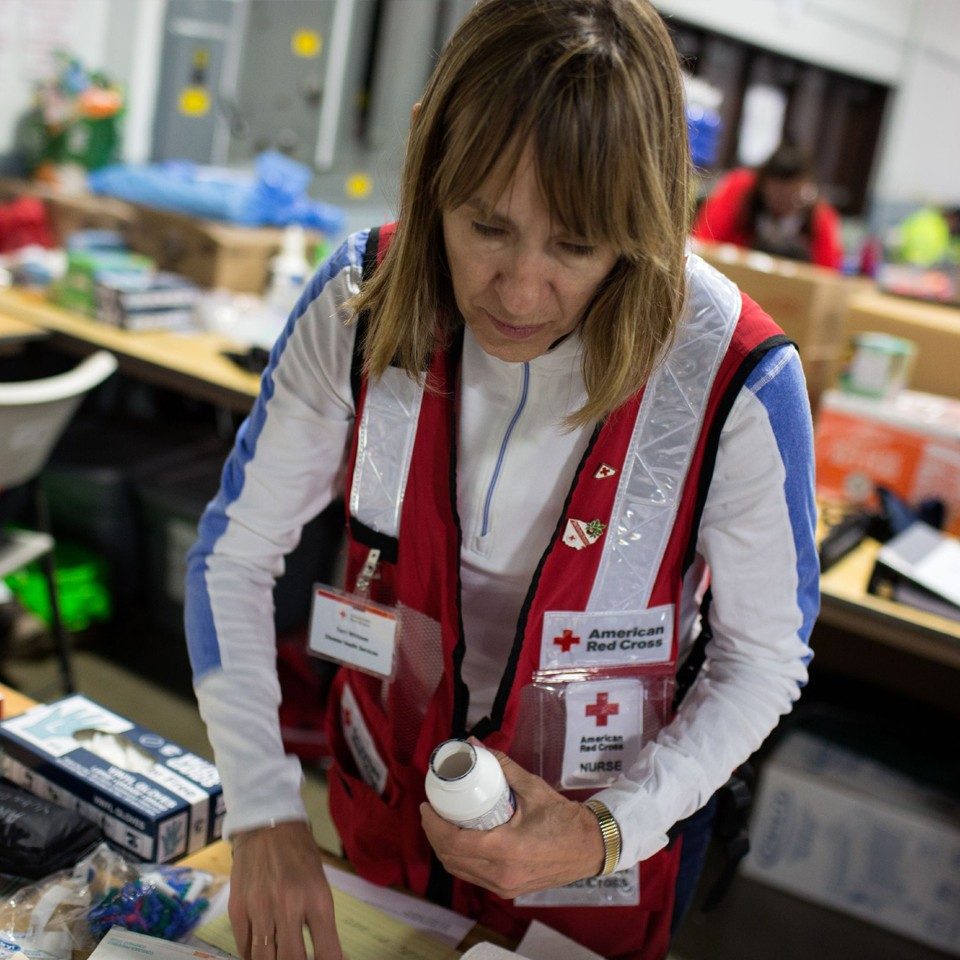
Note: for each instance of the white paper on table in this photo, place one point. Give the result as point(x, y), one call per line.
point(120, 944)
point(541, 942)
point(487, 951)
point(438, 922)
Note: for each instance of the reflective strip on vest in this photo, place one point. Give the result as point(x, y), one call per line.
point(658, 457)
point(385, 441)
point(664, 437)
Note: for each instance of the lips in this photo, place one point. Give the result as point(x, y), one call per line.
point(514, 332)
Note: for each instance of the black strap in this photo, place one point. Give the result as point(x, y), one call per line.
point(698, 653)
point(363, 318)
point(389, 547)
point(735, 797)
point(734, 800)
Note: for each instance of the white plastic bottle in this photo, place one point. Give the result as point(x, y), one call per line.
point(465, 785)
point(289, 270)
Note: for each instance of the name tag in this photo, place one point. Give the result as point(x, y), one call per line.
point(604, 727)
point(620, 889)
point(353, 631)
point(370, 765)
point(577, 639)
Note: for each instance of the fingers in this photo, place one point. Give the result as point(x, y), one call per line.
point(277, 887)
point(263, 941)
point(240, 923)
point(519, 779)
point(289, 939)
point(444, 835)
point(323, 931)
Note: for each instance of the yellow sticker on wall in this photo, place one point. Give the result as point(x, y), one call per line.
point(306, 43)
point(194, 101)
point(358, 186)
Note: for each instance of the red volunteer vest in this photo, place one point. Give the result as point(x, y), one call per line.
point(381, 833)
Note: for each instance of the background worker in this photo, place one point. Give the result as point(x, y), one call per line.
point(774, 208)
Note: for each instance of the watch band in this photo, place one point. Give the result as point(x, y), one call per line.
point(609, 832)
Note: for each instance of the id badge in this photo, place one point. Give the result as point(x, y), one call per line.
point(354, 631)
point(620, 889)
point(604, 730)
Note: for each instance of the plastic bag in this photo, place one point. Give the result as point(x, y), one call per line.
point(38, 837)
point(273, 194)
point(70, 912)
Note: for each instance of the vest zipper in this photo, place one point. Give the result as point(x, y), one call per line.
point(487, 725)
point(485, 526)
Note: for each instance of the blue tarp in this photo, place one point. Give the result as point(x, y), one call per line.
point(274, 194)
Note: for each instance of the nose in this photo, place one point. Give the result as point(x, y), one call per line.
point(522, 283)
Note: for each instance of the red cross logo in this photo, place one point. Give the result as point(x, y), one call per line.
point(343, 614)
point(566, 640)
point(602, 709)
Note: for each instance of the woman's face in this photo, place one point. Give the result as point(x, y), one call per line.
point(783, 197)
point(520, 281)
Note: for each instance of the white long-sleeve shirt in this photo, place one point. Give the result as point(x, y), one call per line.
point(516, 462)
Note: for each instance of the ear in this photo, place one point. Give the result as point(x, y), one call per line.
point(414, 113)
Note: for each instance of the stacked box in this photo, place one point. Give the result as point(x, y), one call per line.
point(909, 444)
point(157, 301)
point(158, 801)
point(77, 290)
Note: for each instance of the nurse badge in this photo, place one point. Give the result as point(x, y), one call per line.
point(580, 534)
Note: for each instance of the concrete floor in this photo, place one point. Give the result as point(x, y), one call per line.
point(754, 922)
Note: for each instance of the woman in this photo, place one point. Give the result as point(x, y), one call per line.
point(774, 208)
point(549, 423)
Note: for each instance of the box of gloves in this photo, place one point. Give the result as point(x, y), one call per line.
point(149, 795)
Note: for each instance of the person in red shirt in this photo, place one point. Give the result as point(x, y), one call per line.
point(774, 208)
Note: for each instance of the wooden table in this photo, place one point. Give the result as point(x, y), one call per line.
point(189, 363)
point(14, 333)
point(902, 648)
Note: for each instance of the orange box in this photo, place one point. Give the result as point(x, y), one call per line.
point(909, 444)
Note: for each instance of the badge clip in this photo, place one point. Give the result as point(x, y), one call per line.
point(368, 572)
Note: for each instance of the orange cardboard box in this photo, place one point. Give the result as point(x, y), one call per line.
point(910, 444)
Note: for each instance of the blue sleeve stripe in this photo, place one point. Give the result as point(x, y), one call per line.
point(202, 642)
point(778, 383)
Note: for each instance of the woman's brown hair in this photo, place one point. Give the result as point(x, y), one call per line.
point(594, 86)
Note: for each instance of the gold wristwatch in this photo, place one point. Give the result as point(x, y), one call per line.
point(610, 833)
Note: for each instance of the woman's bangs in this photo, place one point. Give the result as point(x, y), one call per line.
point(581, 175)
point(481, 142)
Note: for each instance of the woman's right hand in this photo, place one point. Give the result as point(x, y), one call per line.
point(277, 887)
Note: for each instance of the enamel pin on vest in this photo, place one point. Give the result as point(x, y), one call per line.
point(580, 533)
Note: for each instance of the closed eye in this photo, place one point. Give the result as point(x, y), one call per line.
point(578, 249)
point(485, 230)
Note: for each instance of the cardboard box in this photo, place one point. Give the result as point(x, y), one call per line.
point(165, 804)
point(71, 212)
point(909, 444)
point(209, 253)
point(840, 830)
point(808, 302)
point(935, 329)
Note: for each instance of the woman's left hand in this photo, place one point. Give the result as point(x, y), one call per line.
point(550, 841)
